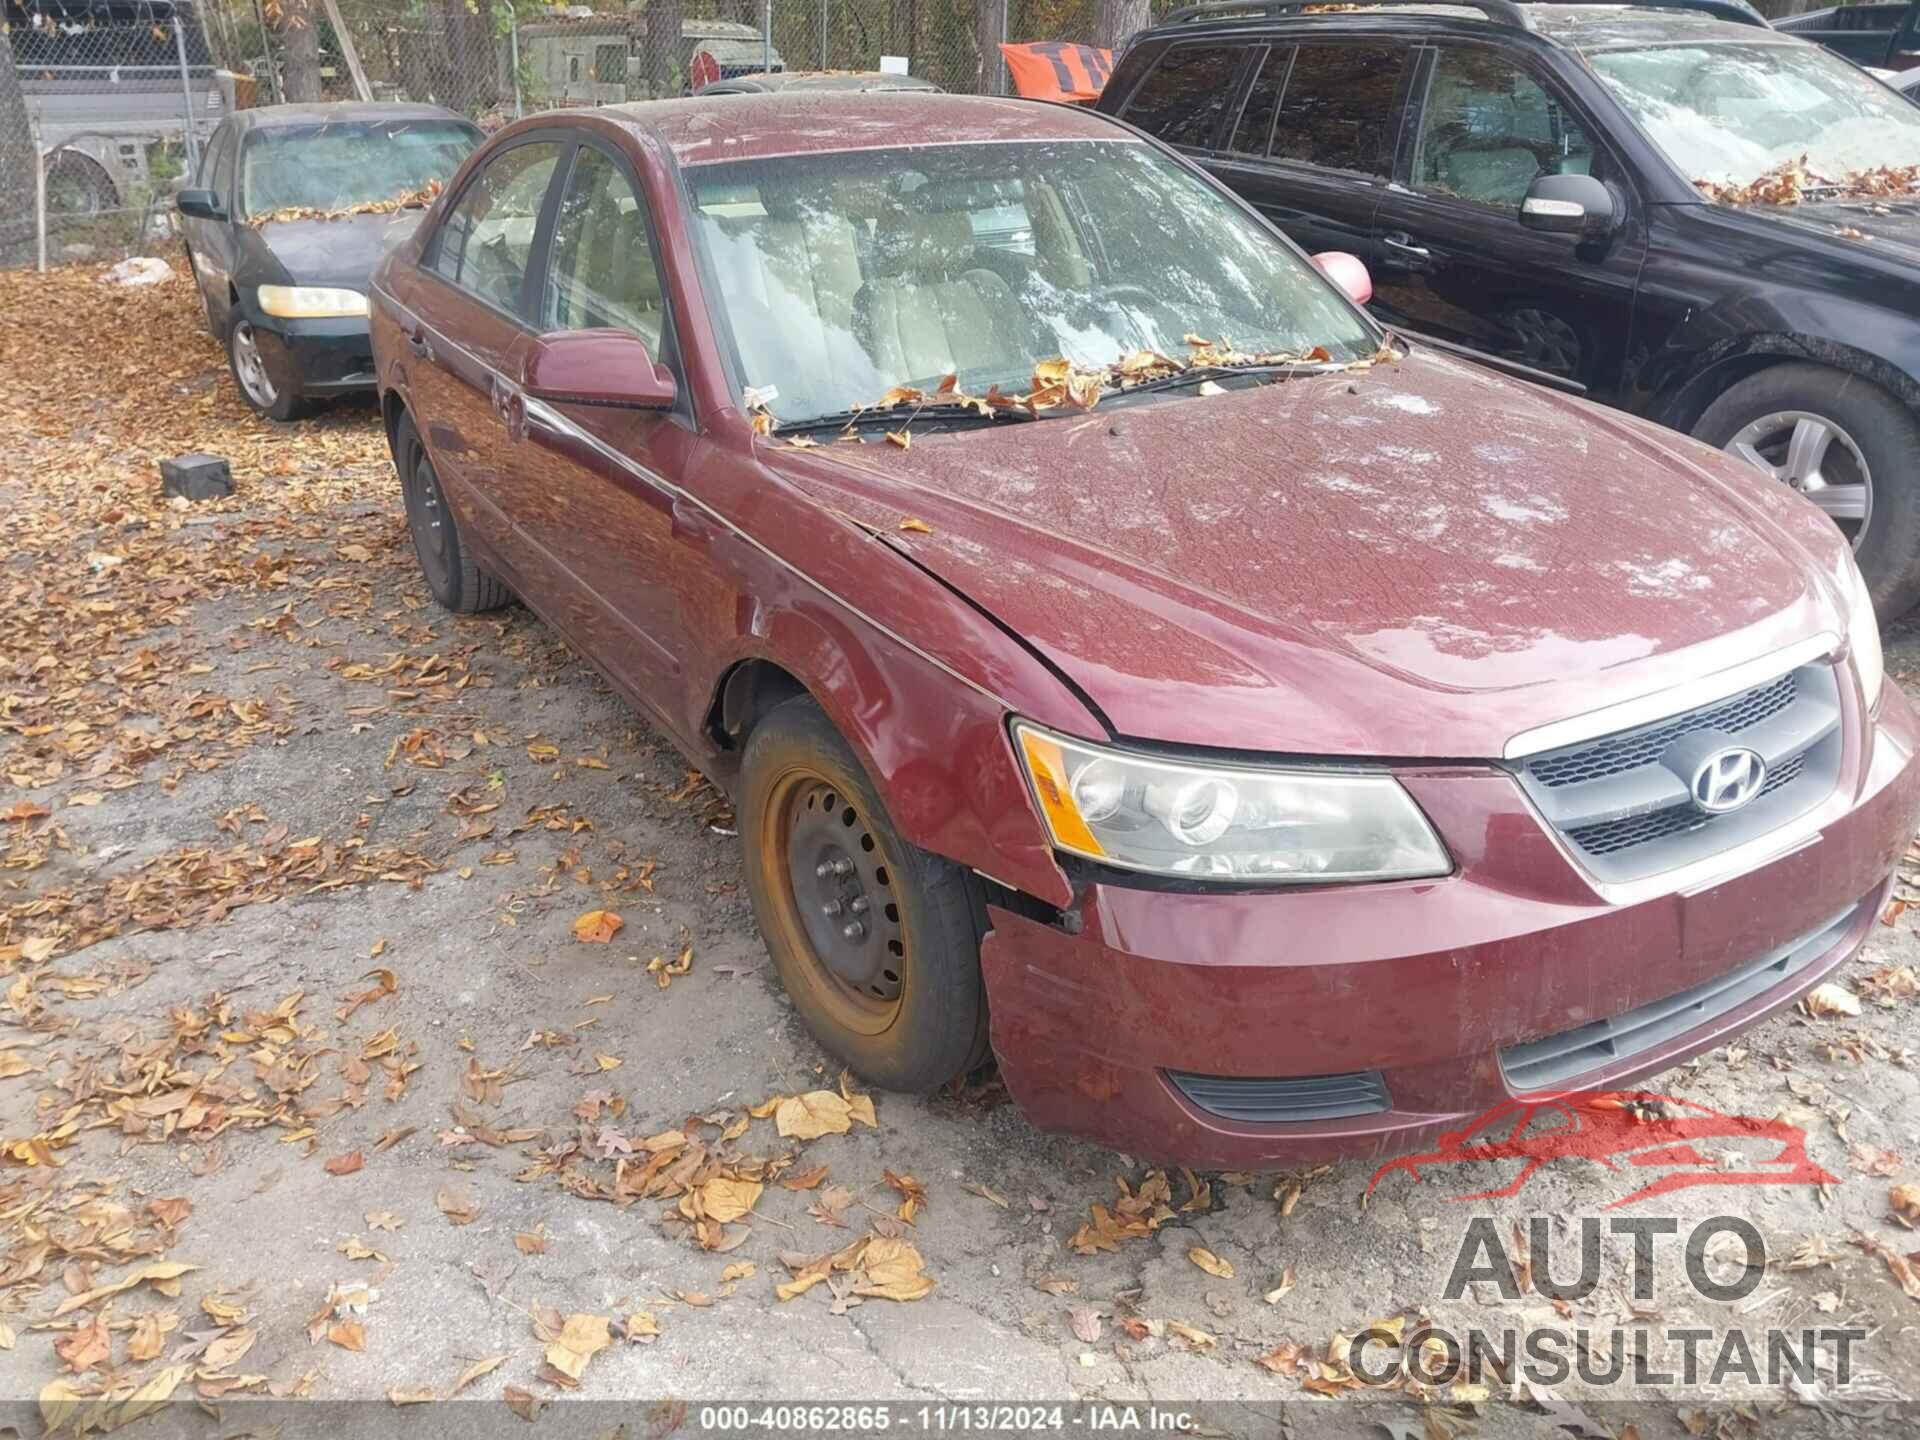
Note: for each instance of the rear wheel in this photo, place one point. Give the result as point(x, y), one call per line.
point(452, 575)
point(876, 941)
point(1850, 448)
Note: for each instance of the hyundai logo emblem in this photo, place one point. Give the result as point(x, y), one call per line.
point(1727, 779)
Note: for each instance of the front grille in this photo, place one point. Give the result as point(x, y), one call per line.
point(1286, 1099)
point(1623, 800)
point(1644, 747)
point(1611, 835)
point(1560, 1060)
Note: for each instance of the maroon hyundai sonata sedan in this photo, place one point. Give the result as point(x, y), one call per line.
point(1268, 738)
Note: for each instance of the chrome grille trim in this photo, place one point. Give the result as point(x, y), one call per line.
point(1627, 815)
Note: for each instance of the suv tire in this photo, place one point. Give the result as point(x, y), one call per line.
point(1866, 427)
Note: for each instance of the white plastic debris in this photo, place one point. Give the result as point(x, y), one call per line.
point(139, 270)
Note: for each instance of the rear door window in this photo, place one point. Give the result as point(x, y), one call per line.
point(486, 241)
point(1183, 100)
point(1255, 129)
point(1339, 104)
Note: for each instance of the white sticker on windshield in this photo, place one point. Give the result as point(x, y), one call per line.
point(760, 396)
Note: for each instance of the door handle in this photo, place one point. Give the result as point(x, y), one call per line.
point(417, 343)
point(511, 406)
point(689, 522)
point(1405, 250)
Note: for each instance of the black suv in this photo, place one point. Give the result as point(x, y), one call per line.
point(1531, 183)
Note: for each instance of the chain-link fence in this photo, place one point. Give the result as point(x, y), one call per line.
point(104, 103)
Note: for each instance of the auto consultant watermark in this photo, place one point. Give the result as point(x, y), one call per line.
point(1654, 1145)
point(1529, 1258)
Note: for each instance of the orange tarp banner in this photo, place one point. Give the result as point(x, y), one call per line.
point(1055, 70)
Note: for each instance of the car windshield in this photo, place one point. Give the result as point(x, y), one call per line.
point(842, 276)
point(1728, 114)
point(344, 164)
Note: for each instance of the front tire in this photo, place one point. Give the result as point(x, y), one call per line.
point(266, 392)
point(446, 564)
point(877, 942)
point(1850, 448)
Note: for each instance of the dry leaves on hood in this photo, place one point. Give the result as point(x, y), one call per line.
point(877, 1265)
point(406, 200)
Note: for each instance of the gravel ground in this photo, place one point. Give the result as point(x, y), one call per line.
point(383, 787)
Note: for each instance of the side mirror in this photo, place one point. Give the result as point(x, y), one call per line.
point(1349, 272)
point(596, 367)
point(1568, 205)
point(201, 205)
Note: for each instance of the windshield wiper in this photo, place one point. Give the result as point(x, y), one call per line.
point(1194, 374)
point(899, 416)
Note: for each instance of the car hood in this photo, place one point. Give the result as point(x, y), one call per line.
point(1420, 561)
point(1890, 224)
point(338, 252)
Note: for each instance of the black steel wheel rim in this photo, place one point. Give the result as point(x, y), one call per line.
point(427, 518)
point(841, 892)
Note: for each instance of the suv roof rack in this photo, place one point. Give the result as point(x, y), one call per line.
point(1499, 12)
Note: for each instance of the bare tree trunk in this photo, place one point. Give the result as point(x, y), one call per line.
point(665, 70)
point(989, 29)
point(300, 51)
point(460, 92)
point(1115, 20)
point(19, 157)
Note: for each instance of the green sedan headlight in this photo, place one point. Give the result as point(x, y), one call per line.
point(1250, 823)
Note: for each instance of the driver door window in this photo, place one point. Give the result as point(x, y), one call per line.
point(1490, 129)
point(602, 272)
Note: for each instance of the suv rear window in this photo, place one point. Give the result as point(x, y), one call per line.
point(1182, 101)
point(1338, 103)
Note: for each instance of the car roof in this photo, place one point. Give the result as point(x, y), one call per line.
point(752, 127)
point(828, 80)
point(1577, 27)
point(271, 116)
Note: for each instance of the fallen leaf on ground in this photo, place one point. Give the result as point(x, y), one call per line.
point(345, 1164)
point(474, 1371)
point(809, 1116)
point(1831, 999)
point(523, 1403)
point(90, 1347)
point(348, 1334)
point(581, 1338)
point(597, 927)
point(456, 1206)
point(1905, 1203)
point(1210, 1262)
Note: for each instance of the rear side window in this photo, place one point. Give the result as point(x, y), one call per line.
point(1338, 103)
point(486, 240)
point(1250, 136)
point(1182, 101)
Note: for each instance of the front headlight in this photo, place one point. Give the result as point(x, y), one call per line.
point(1863, 636)
point(1226, 822)
point(310, 302)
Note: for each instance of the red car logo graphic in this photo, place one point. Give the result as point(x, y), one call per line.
point(1624, 1131)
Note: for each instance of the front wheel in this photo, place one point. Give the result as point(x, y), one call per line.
point(274, 395)
point(1850, 448)
point(876, 941)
